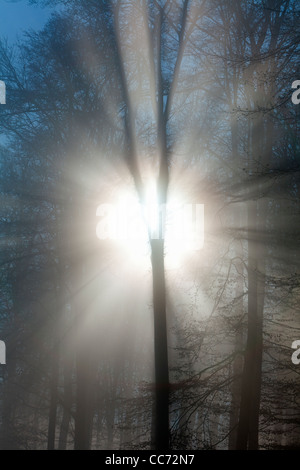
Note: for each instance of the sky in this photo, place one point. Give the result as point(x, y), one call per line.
point(17, 16)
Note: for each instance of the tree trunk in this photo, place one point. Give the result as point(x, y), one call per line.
point(257, 368)
point(86, 337)
point(235, 391)
point(8, 439)
point(53, 399)
point(261, 147)
point(237, 366)
point(161, 412)
point(83, 399)
point(66, 418)
point(253, 346)
point(248, 430)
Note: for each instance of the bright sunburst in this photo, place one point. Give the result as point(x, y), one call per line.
point(133, 225)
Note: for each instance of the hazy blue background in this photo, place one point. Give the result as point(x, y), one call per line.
point(17, 16)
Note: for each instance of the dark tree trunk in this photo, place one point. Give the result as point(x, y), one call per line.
point(257, 372)
point(83, 364)
point(8, 439)
point(253, 346)
point(66, 418)
point(83, 399)
point(161, 413)
point(53, 400)
point(235, 391)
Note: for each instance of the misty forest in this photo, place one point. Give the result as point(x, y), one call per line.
point(150, 342)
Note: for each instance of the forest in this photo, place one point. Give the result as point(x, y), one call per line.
point(149, 342)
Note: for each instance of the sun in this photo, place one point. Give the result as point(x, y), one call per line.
point(134, 225)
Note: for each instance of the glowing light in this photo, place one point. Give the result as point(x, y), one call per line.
point(133, 225)
point(154, 214)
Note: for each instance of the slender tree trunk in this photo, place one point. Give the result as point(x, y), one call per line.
point(161, 414)
point(237, 366)
point(7, 435)
point(253, 342)
point(257, 368)
point(256, 389)
point(58, 311)
point(110, 429)
point(83, 399)
point(235, 391)
point(84, 365)
point(261, 253)
point(53, 399)
point(248, 430)
point(115, 373)
point(66, 418)
point(87, 340)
